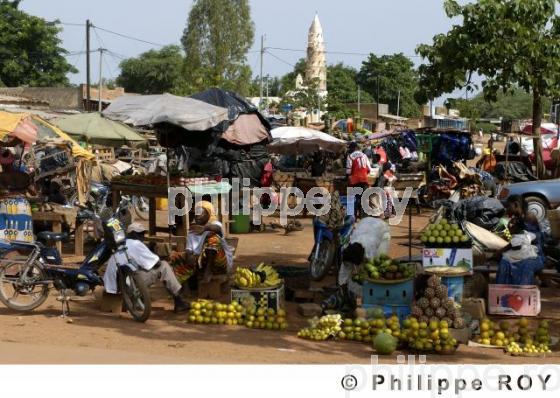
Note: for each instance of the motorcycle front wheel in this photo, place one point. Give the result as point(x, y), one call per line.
point(319, 264)
point(135, 295)
point(23, 287)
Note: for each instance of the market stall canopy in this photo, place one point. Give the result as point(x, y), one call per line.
point(94, 128)
point(245, 124)
point(9, 121)
point(187, 113)
point(288, 140)
point(246, 130)
point(546, 128)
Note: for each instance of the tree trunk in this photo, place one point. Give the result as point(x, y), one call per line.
point(537, 143)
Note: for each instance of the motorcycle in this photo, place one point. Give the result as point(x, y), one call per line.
point(327, 251)
point(24, 284)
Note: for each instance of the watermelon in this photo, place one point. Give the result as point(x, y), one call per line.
point(385, 344)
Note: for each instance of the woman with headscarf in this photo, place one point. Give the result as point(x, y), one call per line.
point(207, 248)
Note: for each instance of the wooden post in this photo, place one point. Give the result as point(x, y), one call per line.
point(152, 216)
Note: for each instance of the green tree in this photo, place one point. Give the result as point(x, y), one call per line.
point(515, 105)
point(396, 74)
point(308, 97)
point(288, 81)
point(218, 35)
point(343, 89)
point(154, 72)
point(30, 51)
point(511, 43)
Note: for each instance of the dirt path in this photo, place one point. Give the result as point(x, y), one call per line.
point(97, 337)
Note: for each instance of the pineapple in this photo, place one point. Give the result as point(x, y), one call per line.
point(435, 303)
point(429, 292)
point(448, 320)
point(423, 302)
point(433, 281)
point(417, 311)
point(459, 323)
point(424, 318)
point(441, 292)
point(440, 313)
point(434, 319)
point(429, 312)
point(449, 304)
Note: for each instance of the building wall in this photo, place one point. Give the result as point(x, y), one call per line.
point(369, 111)
point(57, 97)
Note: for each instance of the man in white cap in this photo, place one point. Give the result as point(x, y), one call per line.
point(148, 265)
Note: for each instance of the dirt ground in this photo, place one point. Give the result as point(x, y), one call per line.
point(92, 336)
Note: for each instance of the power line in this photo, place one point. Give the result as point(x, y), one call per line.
point(334, 52)
point(129, 37)
point(280, 59)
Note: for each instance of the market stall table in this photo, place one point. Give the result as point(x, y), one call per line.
point(153, 192)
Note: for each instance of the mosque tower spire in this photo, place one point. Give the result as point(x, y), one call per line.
point(316, 56)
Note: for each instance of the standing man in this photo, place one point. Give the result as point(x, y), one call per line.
point(357, 170)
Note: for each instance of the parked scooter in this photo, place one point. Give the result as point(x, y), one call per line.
point(24, 284)
point(327, 251)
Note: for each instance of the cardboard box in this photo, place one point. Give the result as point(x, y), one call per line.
point(448, 257)
point(514, 300)
point(271, 298)
point(475, 307)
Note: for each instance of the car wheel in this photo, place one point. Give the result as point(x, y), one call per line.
point(537, 206)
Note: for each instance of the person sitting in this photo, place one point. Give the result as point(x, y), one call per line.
point(370, 237)
point(147, 264)
point(520, 259)
point(207, 248)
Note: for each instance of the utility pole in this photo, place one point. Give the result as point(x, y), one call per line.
point(88, 75)
point(261, 75)
point(399, 103)
point(267, 99)
point(100, 87)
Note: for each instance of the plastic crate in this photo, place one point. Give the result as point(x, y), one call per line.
point(402, 311)
point(388, 294)
point(270, 298)
point(455, 286)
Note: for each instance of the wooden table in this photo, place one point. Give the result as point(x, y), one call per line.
point(160, 191)
point(56, 219)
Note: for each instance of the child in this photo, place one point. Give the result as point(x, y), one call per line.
point(521, 246)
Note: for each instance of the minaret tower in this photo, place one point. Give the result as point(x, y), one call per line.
point(316, 56)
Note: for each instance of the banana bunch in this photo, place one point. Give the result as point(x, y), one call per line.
point(272, 278)
point(245, 278)
point(262, 276)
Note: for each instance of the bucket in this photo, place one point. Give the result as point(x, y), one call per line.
point(554, 219)
point(161, 204)
point(241, 224)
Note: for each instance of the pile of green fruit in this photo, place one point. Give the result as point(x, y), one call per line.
point(429, 337)
point(383, 267)
point(266, 318)
point(212, 312)
point(444, 234)
point(435, 306)
point(365, 330)
point(321, 328)
point(505, 334)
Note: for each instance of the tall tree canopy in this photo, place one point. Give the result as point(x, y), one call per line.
point(510, 43)
point(30, 51)
point(515, 105)
point(343, 89)
point(396, 74)
point(154, 72)
point(216, 40)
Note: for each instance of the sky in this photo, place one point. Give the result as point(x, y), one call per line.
point(349, 26)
